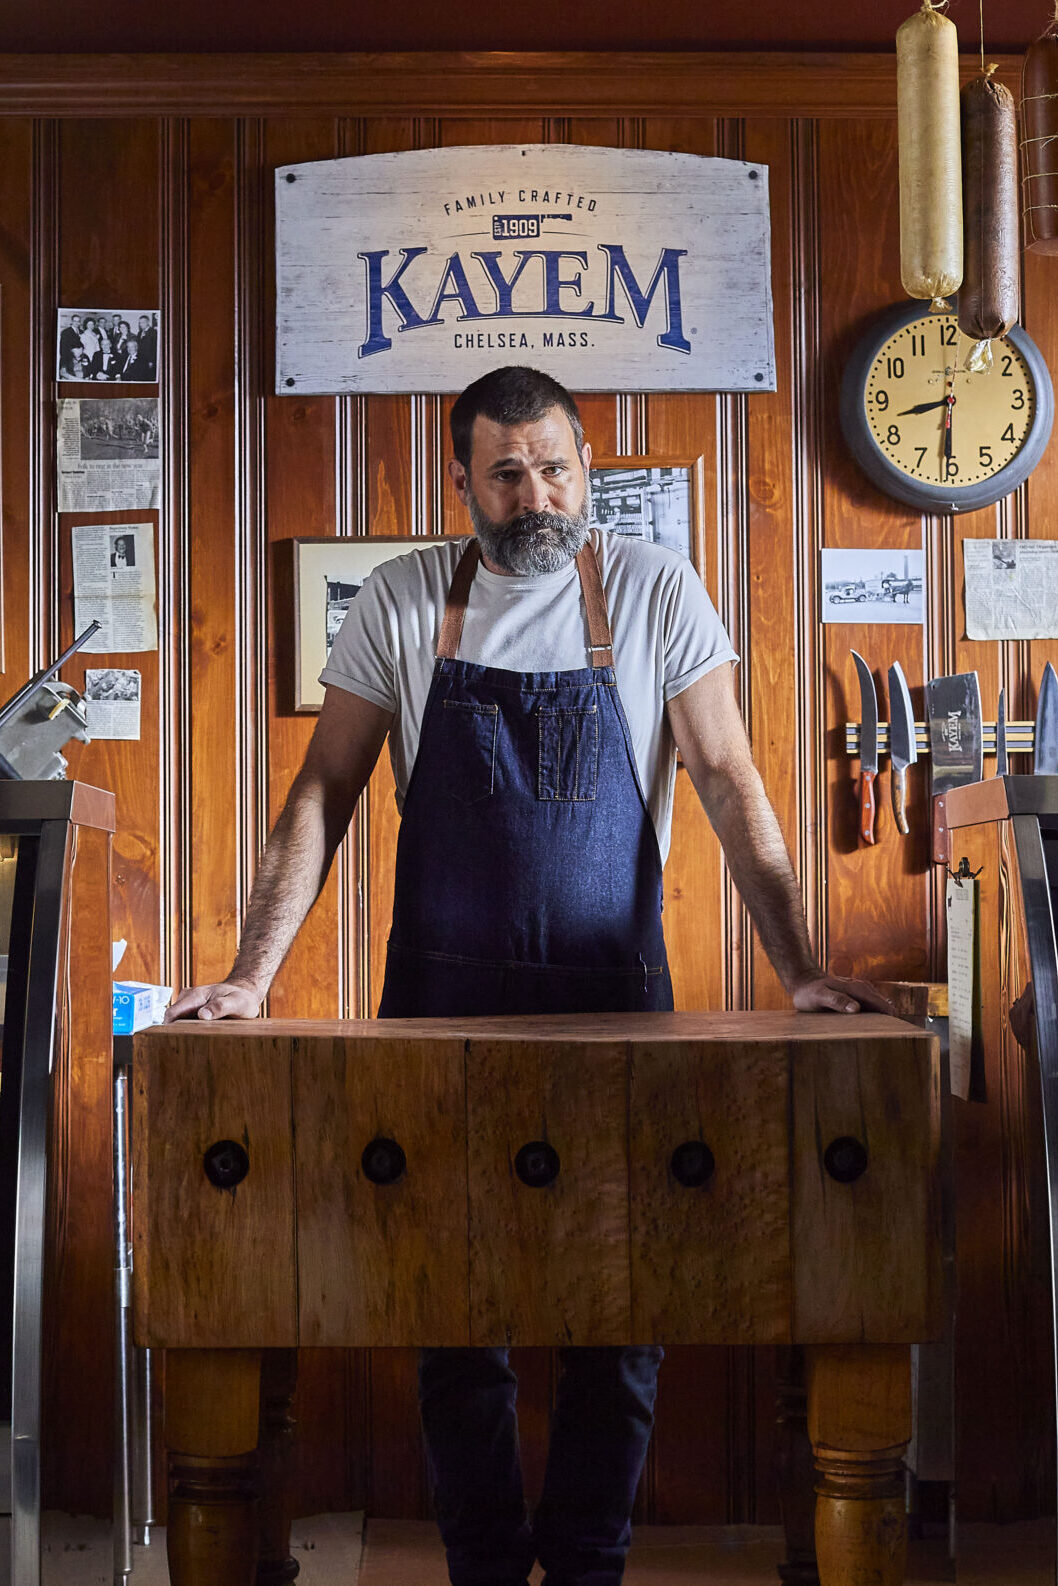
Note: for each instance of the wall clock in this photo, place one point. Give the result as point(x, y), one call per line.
point(931, 434)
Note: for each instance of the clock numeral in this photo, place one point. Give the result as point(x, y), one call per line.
point(892, 436)
point(920, 453)
point(918, 346)
point(1008, 366)
point(949, 335)
point(1008, 434)
point(984, 456)
point(894, 368)
point(881, 399)
point(1019, 398)
point(951, 468)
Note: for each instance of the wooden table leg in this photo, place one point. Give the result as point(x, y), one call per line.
point(859, 1422)
point(211, 1422)
point(279, 1378)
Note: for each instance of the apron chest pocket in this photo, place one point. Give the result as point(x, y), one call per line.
point(470, 744)
point(568, 763)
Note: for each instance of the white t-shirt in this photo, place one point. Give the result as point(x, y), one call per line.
point(665, 629)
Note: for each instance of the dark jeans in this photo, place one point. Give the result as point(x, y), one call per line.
point(599, 1436)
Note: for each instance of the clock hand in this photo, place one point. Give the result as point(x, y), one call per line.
point(922, 407)
point(950, 404)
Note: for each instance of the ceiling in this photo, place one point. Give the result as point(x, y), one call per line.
point(64, 26)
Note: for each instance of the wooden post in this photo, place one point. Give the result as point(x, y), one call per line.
point(211, 1423)
point(279, 1377)
point(859, 1422)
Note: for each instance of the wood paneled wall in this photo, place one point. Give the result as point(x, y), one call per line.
point(143, 181)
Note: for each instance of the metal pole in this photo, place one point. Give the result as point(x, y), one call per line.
point(142, 1468)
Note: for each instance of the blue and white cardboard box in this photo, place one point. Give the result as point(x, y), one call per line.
point(138, 1005)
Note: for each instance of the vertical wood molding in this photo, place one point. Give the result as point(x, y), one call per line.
point(174, 555)
point(939, 540)
point(44, 613)
point(732, 478)
point(251, 669)
point(809, 512)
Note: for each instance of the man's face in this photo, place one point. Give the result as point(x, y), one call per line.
point(526, 492)
point(144, 322)
point(75, 322)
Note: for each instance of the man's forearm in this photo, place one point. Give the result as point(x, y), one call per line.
point(292, 871)
point(760, 867)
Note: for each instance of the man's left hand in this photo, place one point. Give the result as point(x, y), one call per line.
point(836, 994)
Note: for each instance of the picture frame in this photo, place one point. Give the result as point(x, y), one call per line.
point(654, 498)
point(328, 573)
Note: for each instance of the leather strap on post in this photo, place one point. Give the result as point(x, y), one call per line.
point(599, 635)
point(456, 604)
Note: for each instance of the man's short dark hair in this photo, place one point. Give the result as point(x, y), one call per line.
point(513, 395)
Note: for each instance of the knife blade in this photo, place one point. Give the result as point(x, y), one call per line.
point(1002, 763)
point(956, 742)
point(1046, 740)
point(903, 750)
point(868, 746)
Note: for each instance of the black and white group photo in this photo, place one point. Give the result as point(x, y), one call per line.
point(119, 344)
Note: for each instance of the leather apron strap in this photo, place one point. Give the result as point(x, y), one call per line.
point(456, 604)
point(600, 638)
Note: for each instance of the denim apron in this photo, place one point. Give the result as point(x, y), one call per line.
point(528, 875)
point(528, 880)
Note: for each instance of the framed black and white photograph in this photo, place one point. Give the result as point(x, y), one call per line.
point(109, 345)
point(328, 576)
point(651, 498)
point(868, 585)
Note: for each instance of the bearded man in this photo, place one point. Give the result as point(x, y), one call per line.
point(534, 680)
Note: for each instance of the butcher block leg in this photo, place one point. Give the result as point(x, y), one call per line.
point(859, 1422)
point(211, 1423)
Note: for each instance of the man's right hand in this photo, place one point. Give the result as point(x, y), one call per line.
point(225, 1000)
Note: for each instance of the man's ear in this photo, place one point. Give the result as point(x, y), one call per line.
point(585, 453)
point(458, 475)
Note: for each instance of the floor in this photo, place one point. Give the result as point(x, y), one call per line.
point(333, 1550)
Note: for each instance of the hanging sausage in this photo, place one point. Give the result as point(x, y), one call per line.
point(989, 299)
point(1039, 145)
point(927, 87)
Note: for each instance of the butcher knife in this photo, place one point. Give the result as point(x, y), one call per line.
point(1046, 740)
point(956, 742)
point(868, 746)
point(903, 750)
point(1002, 763)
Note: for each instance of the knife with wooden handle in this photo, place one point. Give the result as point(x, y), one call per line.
point(903, 750)
point(868, 747)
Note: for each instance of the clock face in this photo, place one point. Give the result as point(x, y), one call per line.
point(934, 434)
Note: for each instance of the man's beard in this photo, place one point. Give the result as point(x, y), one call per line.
point(534, 543)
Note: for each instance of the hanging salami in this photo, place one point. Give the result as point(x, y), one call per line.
point(1039, 142)
point(988, 301)
point(927, 84)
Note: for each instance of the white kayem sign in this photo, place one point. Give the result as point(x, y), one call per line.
point(612, 269)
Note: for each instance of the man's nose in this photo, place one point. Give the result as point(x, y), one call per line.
point(534, 495)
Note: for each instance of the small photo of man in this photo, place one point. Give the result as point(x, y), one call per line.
point(122, 550)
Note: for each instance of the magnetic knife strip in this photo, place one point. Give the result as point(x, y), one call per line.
point(1021, 737)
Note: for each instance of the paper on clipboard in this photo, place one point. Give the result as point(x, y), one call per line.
point(961, 910)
